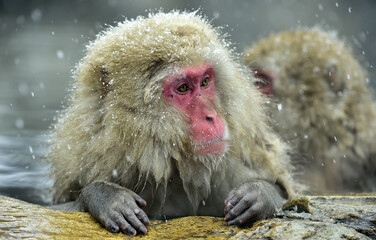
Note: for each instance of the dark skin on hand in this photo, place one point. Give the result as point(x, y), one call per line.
point(252, 201)
point(115, 207)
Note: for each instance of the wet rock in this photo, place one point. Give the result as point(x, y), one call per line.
point(316, 217)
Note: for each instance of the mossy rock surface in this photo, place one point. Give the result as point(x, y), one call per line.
point(306, 217)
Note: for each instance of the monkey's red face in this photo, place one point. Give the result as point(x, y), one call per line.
point(193, 92)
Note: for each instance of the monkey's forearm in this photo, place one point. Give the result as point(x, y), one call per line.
point(275, 193)
point(75, 206)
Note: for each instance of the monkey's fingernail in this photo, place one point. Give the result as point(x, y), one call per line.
point(114, 228)
point(231, 223)
point(143, 204)
point(132, 231)
point(146, 221)
point(143, 230)
point(228, 217)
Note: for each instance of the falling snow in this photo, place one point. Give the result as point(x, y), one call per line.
point(215, 15)
point(20, 124)
point(60, 54)
point(36, 15)
point(114, 173)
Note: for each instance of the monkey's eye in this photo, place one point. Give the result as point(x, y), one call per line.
point(263, 78)
point(205, 82)
point(183, 88)
point(264, 81)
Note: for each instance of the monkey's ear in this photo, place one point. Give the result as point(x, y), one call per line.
point(331, 76)
point(104, 81)
point(151, 91)
point(151, 71)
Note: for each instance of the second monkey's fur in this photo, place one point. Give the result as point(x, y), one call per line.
point(325, 107)
point(119, 128)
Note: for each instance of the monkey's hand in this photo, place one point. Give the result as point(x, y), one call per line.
point(115, 207)
point(252, 201)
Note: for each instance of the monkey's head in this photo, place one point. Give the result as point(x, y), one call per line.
point(317, 84)
point(168, 81)
point(310, 66)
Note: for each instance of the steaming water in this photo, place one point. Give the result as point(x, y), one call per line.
point(23, 141)
point(33, 82)
point(22, 174)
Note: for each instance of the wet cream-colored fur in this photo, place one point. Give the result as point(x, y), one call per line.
point(325, 110)
point(119, 128)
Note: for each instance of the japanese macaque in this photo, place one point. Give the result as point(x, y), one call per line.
point(322, 105)
point(160, 126)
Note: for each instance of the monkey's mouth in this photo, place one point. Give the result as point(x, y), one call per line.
point(213, 147)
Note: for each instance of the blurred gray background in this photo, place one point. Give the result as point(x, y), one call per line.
point(41, 41)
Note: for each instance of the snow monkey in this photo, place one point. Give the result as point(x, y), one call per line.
point(160, 126)
point(322, 105)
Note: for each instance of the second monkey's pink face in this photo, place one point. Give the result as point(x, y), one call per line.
point(192, 90)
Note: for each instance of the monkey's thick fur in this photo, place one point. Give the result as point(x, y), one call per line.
point(327, 109)
point(119, 128)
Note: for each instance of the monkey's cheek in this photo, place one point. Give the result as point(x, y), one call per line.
point(216, 149)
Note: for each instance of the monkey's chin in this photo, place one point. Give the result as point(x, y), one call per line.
point(216, 148)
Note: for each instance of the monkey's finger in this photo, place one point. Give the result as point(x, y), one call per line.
point(130, 216)
point(232, 200)
point(139, 200)
point(245, 203)
point(229, 196)
point(124, 226)
point(248, 216)
point(110, 225)
point(142, 216)
point(228, 207)
point(237, 193)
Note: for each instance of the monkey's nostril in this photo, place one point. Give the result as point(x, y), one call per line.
point(209, 119)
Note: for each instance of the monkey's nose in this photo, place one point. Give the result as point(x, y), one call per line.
point(209, 119)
